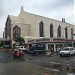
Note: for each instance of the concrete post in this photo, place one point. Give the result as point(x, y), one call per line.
point(54, 47)
point(46, 45)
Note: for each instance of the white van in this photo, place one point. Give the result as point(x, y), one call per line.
point(67, 51)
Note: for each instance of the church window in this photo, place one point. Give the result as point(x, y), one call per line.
point(41, 29)
point(59, 31)
point(16, 32)
point(51, 30)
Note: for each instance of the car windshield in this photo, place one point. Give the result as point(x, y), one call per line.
point(66, 49)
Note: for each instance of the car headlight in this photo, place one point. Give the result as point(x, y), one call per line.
point(67, 52)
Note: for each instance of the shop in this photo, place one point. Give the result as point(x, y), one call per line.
point(55, 43)
point(7, 43)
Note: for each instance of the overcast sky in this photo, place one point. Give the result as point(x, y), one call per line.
point(55, 9)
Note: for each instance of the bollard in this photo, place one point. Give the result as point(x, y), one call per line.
point(73, 70)
point(61, 70)
point(67, 68)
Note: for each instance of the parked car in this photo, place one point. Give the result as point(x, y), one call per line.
point(67, 51)
point(36, 50)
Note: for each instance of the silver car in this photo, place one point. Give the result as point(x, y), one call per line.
point(67, 51)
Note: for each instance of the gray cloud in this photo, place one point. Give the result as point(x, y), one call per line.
point(50, 5)
point(1, 9)
point(55, 9)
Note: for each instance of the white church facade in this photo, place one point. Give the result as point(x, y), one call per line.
point(33, 27)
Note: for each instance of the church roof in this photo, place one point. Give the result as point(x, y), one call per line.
point(24, 12)
point(14, 18)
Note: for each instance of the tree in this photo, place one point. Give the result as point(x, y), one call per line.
point(1, 44)
point(20, 40)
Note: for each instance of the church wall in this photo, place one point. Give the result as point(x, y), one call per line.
point(25, 30)
point(30, 25)
point(55, 23)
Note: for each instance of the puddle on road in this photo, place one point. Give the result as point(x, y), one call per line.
point(61, 69)
point(6, 57)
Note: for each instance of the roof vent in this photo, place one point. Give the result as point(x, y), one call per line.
point(22, 9)
point(63, 19)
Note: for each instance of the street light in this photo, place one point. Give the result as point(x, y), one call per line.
point(72, 40)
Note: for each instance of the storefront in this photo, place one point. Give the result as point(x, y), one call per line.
point(54, 43)
point(7, 43)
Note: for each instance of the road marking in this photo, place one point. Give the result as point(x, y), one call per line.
point(70, 74)
point(44, 74)
point(57, 63)
point(52, 69)
point(47, 69)
point(39, 72)
point(53, 62)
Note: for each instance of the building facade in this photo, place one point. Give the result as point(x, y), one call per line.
point(31, 26)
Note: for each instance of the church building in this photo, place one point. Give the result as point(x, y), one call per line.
point(39, 29)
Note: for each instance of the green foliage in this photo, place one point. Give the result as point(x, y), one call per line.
point(13, 46)
point(20, 40)
point(1, 44)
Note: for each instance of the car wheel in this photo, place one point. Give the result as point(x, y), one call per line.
point(60, 55)
point(37, 53)
point(68, 54)
point(74, 53)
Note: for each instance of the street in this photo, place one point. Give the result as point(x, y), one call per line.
point(36, 65)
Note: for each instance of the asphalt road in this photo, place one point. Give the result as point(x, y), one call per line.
point(34, 65)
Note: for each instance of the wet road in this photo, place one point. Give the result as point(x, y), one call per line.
point(32, 65)
point(5, 56)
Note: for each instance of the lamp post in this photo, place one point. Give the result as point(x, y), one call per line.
point(73, 42)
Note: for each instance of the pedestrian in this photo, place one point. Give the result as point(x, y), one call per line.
point(52, 51)
point(48, 53)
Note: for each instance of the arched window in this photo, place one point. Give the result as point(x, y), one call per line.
point(16, 32)
point(51, 30)
point(41, 29)
point(59, 31)
point(71, 33)
point(66, 34)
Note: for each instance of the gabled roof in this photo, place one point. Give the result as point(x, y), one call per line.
point(24, 12)
point(14, 18)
